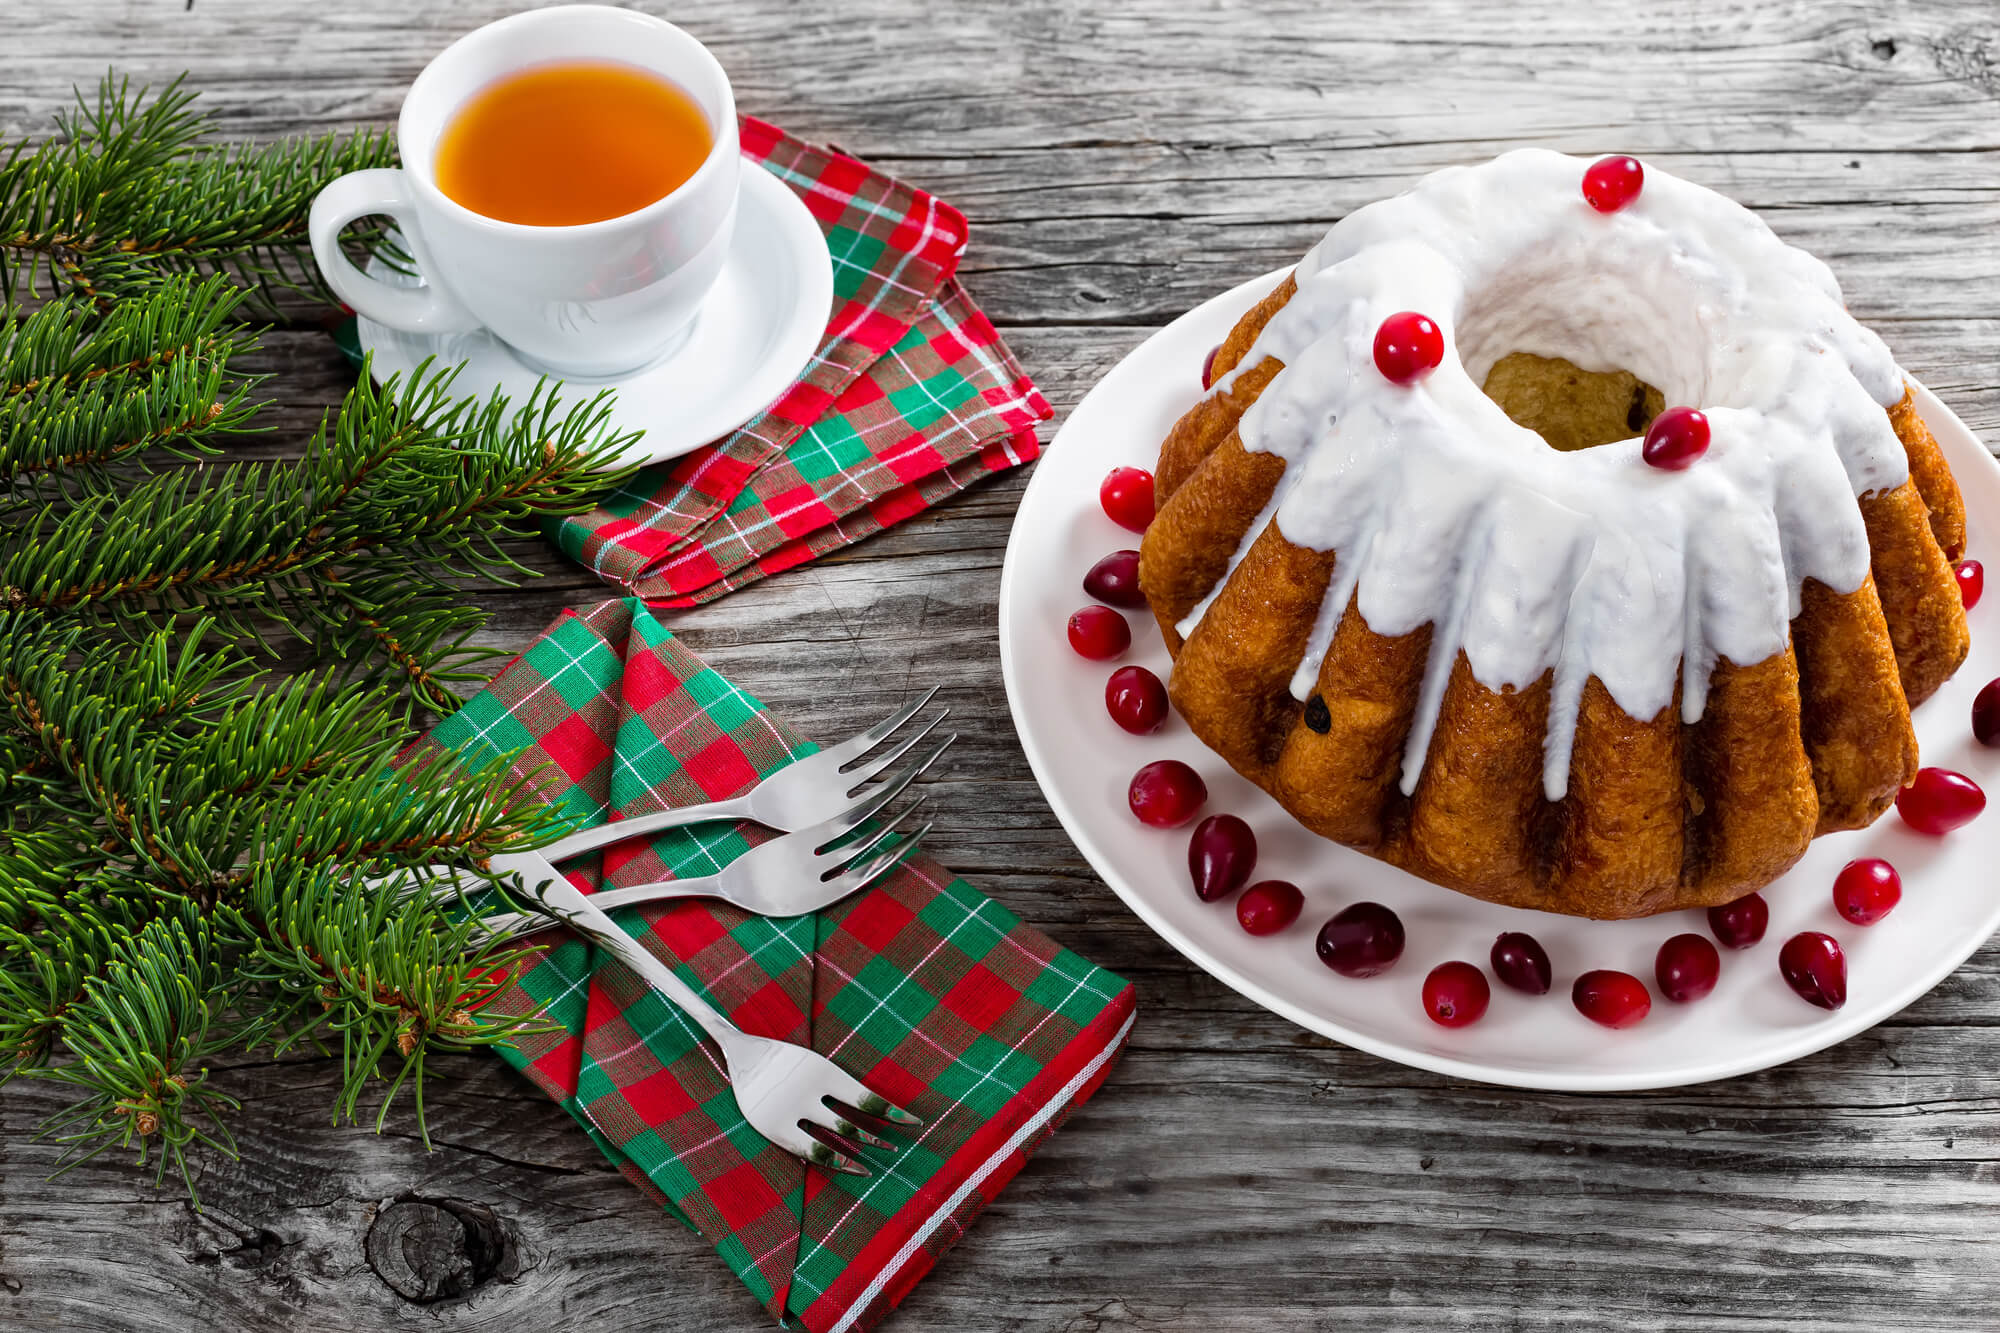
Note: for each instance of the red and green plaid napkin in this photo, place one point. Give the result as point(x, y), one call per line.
point(931, 993)
point(911, 397)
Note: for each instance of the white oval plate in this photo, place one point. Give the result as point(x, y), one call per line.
point(1951, 898)
point(756, 332)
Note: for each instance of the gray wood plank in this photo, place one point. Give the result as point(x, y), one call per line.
point(1120, 163)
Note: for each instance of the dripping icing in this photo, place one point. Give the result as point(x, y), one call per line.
point(1535, 563)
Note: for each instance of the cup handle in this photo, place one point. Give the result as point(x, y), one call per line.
point(425, 309)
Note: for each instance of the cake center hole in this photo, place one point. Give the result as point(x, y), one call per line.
point(1570, 407)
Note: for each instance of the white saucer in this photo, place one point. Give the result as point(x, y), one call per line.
point(757, 331)
point(1951, 899)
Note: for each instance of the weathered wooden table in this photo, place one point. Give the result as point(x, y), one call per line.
point(1119, 164)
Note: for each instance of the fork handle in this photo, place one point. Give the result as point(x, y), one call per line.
point(576, 911)
point(618, 830)
point(605, 900)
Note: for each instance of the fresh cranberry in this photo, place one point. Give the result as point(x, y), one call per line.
point(1361, 940)
point(1098, 632)
point(1742, 923)
point(1208, 367)
point(1135, 699)
point(1408, 347)
point(1115, 579)
point(1610, 183)
point(1221, 854)
point(1456, 994)
point(1866, 890)
point(1813, 966)
point(1686, 968)
point(1268, 906)
point(1971, 582)
point(1677, 437)
point(1521, 962)
point(1986, 713)
point(1166, 793)
point(1127, 495)
point(1615, 999)
point(1939, 800)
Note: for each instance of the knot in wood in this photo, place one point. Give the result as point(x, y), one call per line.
point(429, 1250)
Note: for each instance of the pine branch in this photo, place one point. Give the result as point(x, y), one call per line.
point(137, 1034)
point(126, 197)
point(197, 854)
point(291, 773)
point(407, 490)
point(415, 638)
point(50, 194)
point(269, 816)
point(80, 395)
point(376, 968)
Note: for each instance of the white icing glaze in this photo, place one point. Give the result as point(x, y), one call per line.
point(1444, 512)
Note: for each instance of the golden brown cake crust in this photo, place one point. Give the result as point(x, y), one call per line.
point(1932, 476)
point(1918, 592)
point(1209, 421)
point(1658, 815)
point(1207, 520)
point(1235, 673)
point(1852, 714)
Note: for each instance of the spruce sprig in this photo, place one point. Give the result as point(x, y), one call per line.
point(209, 666)
point(128, 195)
point(403, 495)
point(137, 1034)
point(82, 393)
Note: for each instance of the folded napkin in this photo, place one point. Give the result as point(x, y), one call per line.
point(911, 397)
point(932, 994)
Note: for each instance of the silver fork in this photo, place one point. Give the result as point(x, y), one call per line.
point(793, 1096)
point(788, 876)
point(802, 793)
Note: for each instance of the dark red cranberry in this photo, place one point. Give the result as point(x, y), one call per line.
point(1986, 713)
point(1686, 968)
point(1864, 891)
point(1742, 923)
point(1971, 582)
point(1221, 854)
point(1408, 347)
point(1362, 940)
point(1135, 699)
point(1813, 966)
point(1939, 800)
point(1127, 496)
point(1677, 437)
point(1521, 963)
point(1456, 994)
point(1115, 579)
point(1610, 183)
point(1166, 793)
point(1615, 999)
point(1098, 632)
point(1208, 367)
point(1268, 906)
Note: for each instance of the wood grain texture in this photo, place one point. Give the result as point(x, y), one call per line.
point(1119, 164)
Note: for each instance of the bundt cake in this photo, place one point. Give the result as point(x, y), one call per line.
point(1467, 622)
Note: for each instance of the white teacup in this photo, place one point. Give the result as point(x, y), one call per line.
point(591, 300)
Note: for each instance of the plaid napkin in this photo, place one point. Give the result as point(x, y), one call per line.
point(934, 995)
point(911, 397)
